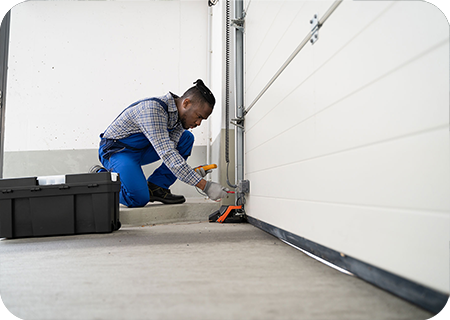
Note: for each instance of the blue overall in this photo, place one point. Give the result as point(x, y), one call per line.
point(134, 152)
point(126, 156)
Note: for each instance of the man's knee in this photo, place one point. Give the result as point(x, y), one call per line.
point(187, 138)
point(186, 143)
point(134, 198)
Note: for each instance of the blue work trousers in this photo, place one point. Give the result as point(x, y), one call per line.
point(128, 162)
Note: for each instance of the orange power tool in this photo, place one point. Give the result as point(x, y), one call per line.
point(227, 214)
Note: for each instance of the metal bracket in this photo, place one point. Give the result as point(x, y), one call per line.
point(239, 122)
point(315, 26)
point(239, 23)
point(243, 186)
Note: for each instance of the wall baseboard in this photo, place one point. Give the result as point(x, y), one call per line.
point(426, 298)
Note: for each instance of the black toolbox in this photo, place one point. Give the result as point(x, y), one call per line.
point(76, 204)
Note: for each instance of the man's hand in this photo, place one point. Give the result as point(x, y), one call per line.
point(201, 171)
point(215, 191)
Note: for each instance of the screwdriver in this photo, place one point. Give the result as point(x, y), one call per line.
point(206, 167)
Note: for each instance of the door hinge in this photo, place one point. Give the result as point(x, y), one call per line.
point(315, 26)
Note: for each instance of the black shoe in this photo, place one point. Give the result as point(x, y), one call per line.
point(164, 195)
point(97, 169)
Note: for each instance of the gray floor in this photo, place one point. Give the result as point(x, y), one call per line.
point(182, 271)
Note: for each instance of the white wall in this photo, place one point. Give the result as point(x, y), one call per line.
point(217, 66)
point(74, 65)
point(349, 147)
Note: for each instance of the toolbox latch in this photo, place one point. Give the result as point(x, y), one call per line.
point(92, 185)
point(7, 191)
point(35, 189)
point(63, 187)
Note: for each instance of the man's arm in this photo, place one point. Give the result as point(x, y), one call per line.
point(153, 123)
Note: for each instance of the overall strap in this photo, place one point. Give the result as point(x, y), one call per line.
point(162, 103)
point(111, 146)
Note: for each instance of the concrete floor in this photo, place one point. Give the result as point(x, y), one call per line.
point(182, 271)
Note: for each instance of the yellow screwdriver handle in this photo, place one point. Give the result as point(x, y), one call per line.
point(209, 167)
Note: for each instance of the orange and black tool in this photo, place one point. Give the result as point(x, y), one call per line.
point(207, 167)
point(227, 214)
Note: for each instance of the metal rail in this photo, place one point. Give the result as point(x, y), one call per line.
point(294, 54)
point(239, 78)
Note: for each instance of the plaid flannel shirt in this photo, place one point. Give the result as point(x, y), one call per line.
point(161, 128)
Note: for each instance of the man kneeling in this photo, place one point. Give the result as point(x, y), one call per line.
point(153, 129)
